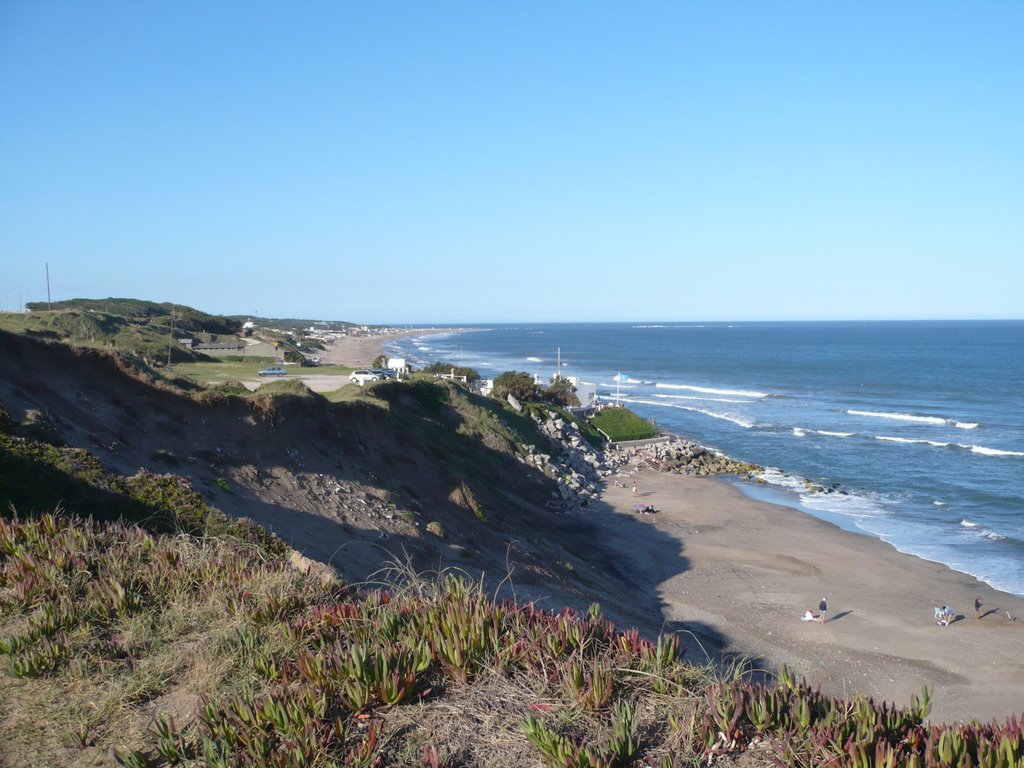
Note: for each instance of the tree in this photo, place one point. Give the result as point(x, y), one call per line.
point(561, 392)
point(518, 384)
point(380, 361)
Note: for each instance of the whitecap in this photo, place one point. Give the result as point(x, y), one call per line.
point(535, 360)
point(913, 441)
point(969, 523)
point(834, 434)
point(703, 399)
point(899, 416)
point(938, 503)
point(703, 411)
point(966, 424)
point(990, 451)
point(713, 391)
point(799, 432)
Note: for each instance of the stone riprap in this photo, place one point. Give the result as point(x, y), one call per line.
point(578, 467)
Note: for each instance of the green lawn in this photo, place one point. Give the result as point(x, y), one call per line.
point(221, 371)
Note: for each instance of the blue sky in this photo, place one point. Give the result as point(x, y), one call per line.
point(485, 162)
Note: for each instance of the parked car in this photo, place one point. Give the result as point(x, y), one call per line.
point(361, 377)
point(384, 373)
point(274, 370)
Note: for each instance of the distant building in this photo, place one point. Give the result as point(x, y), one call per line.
point(585, 391)
point(221, 347)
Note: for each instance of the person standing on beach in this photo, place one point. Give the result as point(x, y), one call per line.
point(822, 610)
point(978, 602)
point(634, 487)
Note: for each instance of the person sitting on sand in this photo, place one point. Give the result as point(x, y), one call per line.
point(938, 614)
point(808, 615)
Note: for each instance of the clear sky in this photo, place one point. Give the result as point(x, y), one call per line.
point(440, 162)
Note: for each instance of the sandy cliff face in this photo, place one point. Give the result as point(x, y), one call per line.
point(424, 477)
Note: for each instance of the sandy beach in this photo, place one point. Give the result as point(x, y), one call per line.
point(360, 351)
point(744, 571)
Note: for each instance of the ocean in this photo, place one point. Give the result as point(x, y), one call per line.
point(919, 426)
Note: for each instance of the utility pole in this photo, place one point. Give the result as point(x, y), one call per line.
point(48, 286)
point(170, 338)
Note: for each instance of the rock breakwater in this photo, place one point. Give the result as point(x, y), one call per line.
point(579, 467)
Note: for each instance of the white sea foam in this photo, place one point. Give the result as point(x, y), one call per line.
point(990, 451)
point(895, 416)
point(978, 449)
point(968, 523)
point(856, 507)
point(712, 391)
point(834, 434)
point(703, 411)
point(799, 432)
point(703, 399)
point(899, 416)
point(938, 503)
point(534, 359)
point(913, 441)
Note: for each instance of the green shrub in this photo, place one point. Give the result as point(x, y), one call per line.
point(518, 384)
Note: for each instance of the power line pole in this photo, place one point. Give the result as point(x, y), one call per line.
point(48, 286)
point(170, 338)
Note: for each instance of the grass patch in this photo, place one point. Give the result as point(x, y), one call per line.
point(622, 424)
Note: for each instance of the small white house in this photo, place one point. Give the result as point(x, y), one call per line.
point(585, 391)
point(398, 364)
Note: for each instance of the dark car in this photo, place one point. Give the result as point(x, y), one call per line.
point(274, 370)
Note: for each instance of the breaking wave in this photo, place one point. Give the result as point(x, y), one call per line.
point(712, 391)
point(895, 416)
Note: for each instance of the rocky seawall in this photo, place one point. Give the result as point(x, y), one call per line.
point(579, 467)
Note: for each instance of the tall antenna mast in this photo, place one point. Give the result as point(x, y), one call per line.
point(48, 286)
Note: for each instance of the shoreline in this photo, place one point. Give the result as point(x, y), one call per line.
point(750, 568)
point(360, 351)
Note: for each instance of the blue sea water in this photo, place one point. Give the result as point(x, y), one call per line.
point(921, 424)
